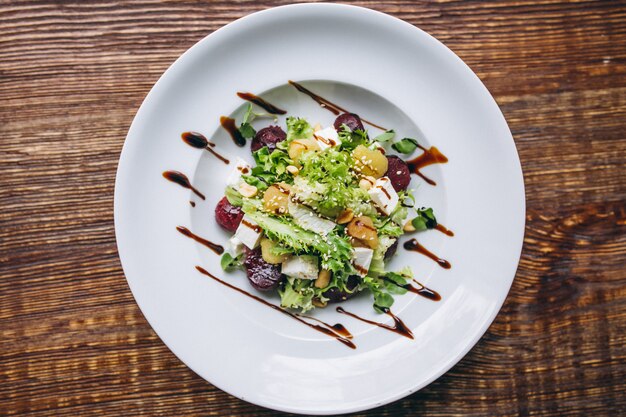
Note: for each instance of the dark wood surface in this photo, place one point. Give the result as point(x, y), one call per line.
point(73, 341)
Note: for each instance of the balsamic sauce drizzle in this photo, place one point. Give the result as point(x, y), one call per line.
point(337, 327)
point(317, 327)
point(182, 180)
point(219, 249)
point(268, 107)
point(229, 125)
point(429, 157)
point(440, 227)
point(199, 141)
point(327, 104)
point(398, 325)
point(421, 289)
point(415, 246)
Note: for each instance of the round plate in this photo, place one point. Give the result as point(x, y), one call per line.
point(387, 71)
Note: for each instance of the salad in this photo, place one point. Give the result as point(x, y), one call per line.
point(318, 215)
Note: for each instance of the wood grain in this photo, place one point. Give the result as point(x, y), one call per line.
point(72, 75)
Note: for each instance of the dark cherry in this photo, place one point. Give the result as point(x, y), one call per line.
point(227, 215)
point(391, 250)
point(353, 121)
point(335, 295)
point(398, 172)
point(262, 275)
point(268, 136)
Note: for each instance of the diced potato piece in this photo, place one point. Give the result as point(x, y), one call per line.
point(345, 216)
point(319, 303)
point(369, 161)
point(362, 229)
point(298, 146)
point(323, 279)
point(266, 252)
point(276, 198)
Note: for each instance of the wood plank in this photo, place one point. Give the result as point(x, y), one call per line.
point(72, 339)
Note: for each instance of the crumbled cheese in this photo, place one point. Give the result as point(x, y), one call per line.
point(235, 246)
point(307, 219)
point(249, 232)
point(241, 168)
point(383, 195)
point(361, 259)
point(302, 267)
point(327, 138)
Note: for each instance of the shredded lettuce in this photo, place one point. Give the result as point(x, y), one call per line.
point(331, 169)
point(297, 128)
point(335, 251)
point(295, 293)
point(270, 168)
point(350, 139)
point(233, 196)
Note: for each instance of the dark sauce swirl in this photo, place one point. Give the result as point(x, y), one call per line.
point(398, 325)
point(429, 157)
point(317, 327)
point(182, 180)
point(327, 104)
point(415, 246)
point(268, 107)
point(229, 125)
point(219, 249)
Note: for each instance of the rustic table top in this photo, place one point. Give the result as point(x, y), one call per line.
point(72, 75)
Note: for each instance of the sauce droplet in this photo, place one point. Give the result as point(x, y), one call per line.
point(423, 291)
point(327, 104)
point(429, 157)
point(192, 203)
point(440, 227)
point(213, 246)
point(398, 325)
point(415, 246)
point(317, 327)
point(337, 327)
point(269, 107)
point(229, 125)
point(182, 180)
point(199, 141)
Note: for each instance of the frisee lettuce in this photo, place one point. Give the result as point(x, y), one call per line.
point(332, 169)
point(334, 250)
point(297, 293)
point(297, 128)
point(351, 139)
point(270, 168)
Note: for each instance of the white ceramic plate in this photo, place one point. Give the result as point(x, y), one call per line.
point(387, 71)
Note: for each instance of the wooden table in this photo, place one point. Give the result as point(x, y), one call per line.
point(73, 341)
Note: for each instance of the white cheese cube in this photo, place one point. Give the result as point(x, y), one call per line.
point(383, 195)
point(235, 246)
point(302, 267)
point(249, 232)
point(241, 168)
point(361, 259)
point(309, 220)
point(327, 138)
